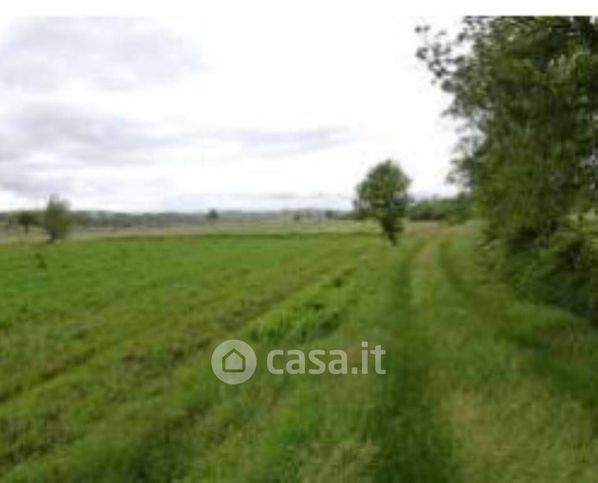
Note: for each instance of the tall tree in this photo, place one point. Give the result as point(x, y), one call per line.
point(527, 91)
point(382, 195)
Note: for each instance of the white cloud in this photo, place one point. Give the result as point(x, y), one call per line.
point(250, 107)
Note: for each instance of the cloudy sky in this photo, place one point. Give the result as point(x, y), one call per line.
point(260, 108)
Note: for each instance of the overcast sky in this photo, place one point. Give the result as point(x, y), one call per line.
point(262, 108)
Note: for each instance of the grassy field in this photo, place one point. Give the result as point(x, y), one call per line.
point(105, 363)
point(222, 227)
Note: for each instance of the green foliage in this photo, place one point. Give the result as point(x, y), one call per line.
point(383, 196)
point(212, 215)
point(525, 88)
point(451, 210)
point(563, 270)
point(58, 220)
point(26, 219)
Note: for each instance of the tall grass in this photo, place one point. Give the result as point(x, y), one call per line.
point(106, 373)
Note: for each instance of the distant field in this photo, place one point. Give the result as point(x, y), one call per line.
point(249, 226)
point(105, 363)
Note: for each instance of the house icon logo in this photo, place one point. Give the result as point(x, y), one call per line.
point(233, 361)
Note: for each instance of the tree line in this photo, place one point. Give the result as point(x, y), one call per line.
point(526, 92)
point(56, 220)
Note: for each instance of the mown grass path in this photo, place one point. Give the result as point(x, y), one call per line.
point(480, 386)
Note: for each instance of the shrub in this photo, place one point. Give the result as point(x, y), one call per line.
point(452, 210)
point(562, 270)
point(57, 218)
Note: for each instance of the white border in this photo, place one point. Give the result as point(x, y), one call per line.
point(190, 7)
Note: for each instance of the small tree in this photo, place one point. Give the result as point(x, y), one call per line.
point(57, 218)
point(26, 219)
point(382, 195)
point(213, 215)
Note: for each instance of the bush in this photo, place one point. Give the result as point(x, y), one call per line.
point(451, 210)
point(57, 218)
point(563, 270)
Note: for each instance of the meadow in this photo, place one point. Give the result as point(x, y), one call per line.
point(105, 362)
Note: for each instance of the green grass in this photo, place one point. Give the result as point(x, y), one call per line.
point(273, 226)
point(105, 363)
